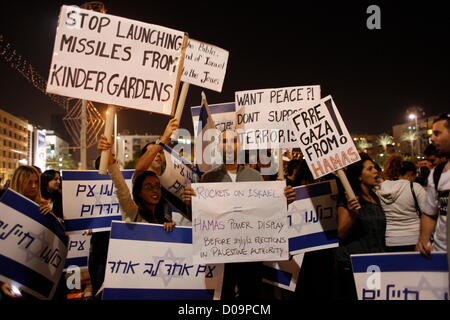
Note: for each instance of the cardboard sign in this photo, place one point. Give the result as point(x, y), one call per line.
point(263, 116)
point(223, 114)
point(401, 276)
point(113, 60)
point(205, 65)
point(78, 250)
point(283, 274)
point(147, 263)
point(32, 246)
point(324, 139)
point(89, 199)
point(239, 222)
point(177, 174)
point(312, 218)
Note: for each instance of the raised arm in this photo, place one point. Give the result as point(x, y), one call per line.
point(147, 158)
point(128, 206)
point(347, 217)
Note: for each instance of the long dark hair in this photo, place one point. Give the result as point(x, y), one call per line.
point(46, 177)
point(354, 172)
point(158, 215)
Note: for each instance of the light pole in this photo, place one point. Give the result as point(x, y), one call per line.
point(414, 116)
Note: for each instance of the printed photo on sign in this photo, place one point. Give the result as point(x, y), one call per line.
point(205, 65)
point(401, 276)
point(263, 116)
point(113, 60)
point(32, 246)
point(145, 262)
point(323, 138)
point(312, 218)
point(90, 200)
point(239, 222)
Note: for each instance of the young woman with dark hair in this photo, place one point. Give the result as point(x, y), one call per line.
point(51, 190)
point(359, 230)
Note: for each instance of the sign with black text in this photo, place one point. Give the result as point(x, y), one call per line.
point(113, 60)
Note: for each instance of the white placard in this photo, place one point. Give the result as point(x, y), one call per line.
point(223, 115)
point(401, 276)
point(324, 139)
point(78, 249)
point(205, 65)
point(312, 218)
point(90, 200)
point(113, 60)
point(263, 116)
point(32, 246)
point(283, 274)
point(147, 263)
point(239, 222)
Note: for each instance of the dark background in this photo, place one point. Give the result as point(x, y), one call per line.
point(373, 75)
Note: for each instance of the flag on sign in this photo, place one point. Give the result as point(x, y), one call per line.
point(204, 159)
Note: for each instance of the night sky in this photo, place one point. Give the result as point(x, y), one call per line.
point(373, 75)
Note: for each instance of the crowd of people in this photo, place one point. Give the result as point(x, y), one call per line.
point(397, 208)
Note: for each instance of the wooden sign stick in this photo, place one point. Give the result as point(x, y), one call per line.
point(109, 127)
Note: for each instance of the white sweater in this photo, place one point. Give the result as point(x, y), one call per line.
point(402, 221)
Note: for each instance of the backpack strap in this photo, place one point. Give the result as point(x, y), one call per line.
point(437, 174)
point(416, 203)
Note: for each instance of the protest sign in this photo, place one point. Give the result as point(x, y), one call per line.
point(312, 218)
point(32, 246)
point(323, 138)
point(147, 263)
point(401, 276)
point(263, 117)
point(114, 60)
point(78, 249)
point(205, 65)
point(239, 222)
point(223, 114)
point(89, 199)
point(283, 274)
point(177, 174)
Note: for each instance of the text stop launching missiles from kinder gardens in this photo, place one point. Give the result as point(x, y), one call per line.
point(324, 139)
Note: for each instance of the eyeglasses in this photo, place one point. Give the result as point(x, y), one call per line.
point(151, 187)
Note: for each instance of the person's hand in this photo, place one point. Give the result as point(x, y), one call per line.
point(170, 129)
point(424, 247)
point(168, 226)
point(104, 145)
point(290, 194)
point(87, 232)
point(353, 205)
point(44, 207)
point(187, 195)
point(8, 290)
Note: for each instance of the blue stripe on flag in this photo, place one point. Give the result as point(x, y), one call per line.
point(148, 232)
point(90, 223)
point(313, 240)
point(25, 276)
point(411, 262)
point(31, 210)
point(278, 276)
point(157, 294)
point(203, 119)
point(215, 108)
point(91, 175)
point(313, 190)
point(80, 261)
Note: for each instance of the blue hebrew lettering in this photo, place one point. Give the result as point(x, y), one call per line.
point(91, 191)
point(26, 235)
point(3, 236)
point(131, 266)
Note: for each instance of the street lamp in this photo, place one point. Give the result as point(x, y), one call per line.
point(411, 117)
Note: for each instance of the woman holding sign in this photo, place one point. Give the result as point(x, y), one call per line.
point(145, 205)
point(26, 181)
point(360, 231)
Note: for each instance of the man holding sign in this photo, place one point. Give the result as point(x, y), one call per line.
point(246, 276)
